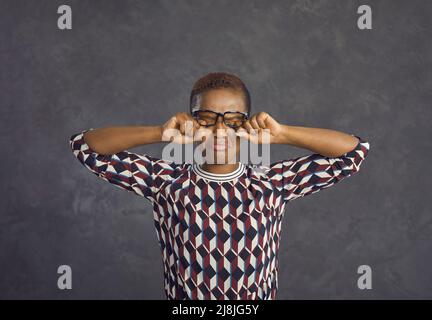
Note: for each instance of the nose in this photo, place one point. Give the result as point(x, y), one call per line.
point(220, 125)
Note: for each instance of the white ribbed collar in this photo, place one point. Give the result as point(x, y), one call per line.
point(219, 176)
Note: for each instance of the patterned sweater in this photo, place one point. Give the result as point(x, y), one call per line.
point(219, 233)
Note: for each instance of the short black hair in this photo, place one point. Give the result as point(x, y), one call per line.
point(217, 80)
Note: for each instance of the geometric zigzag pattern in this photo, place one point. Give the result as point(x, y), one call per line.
point(219, 234)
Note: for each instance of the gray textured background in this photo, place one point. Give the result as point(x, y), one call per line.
point(134, 62)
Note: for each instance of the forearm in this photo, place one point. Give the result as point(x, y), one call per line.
point(327, 142)
point(111, 140)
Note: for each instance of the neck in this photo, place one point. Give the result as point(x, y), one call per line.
point(220, 168)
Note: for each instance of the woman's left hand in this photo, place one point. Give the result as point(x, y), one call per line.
point(261, 128)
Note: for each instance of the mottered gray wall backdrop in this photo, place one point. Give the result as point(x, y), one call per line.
point(134, 63)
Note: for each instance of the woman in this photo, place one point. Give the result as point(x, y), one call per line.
point(218, 223)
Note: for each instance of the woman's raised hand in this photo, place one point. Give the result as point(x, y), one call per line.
point(260, 128)
point(182, 128)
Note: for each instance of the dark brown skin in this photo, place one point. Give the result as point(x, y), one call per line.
point(327, 142)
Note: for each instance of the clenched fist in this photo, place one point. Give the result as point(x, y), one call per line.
point(260, 128)
point(182, 128)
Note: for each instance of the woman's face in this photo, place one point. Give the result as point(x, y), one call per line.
point(224, 145)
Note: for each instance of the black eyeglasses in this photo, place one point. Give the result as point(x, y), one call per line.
point(208, 118)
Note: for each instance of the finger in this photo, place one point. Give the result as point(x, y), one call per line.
point(254, 123)
point(182, 126)
point(169, 130)
point(171, 123)
point(261, 118)
point(196, 124)
point(183, 118)
point(189, 128)
point(191, 125)
point(248, 126)
point(256, 127)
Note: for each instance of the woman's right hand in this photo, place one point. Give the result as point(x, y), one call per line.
point(182, 128)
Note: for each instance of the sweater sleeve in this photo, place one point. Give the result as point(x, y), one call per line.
point(309, 174)
point(141, 174)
